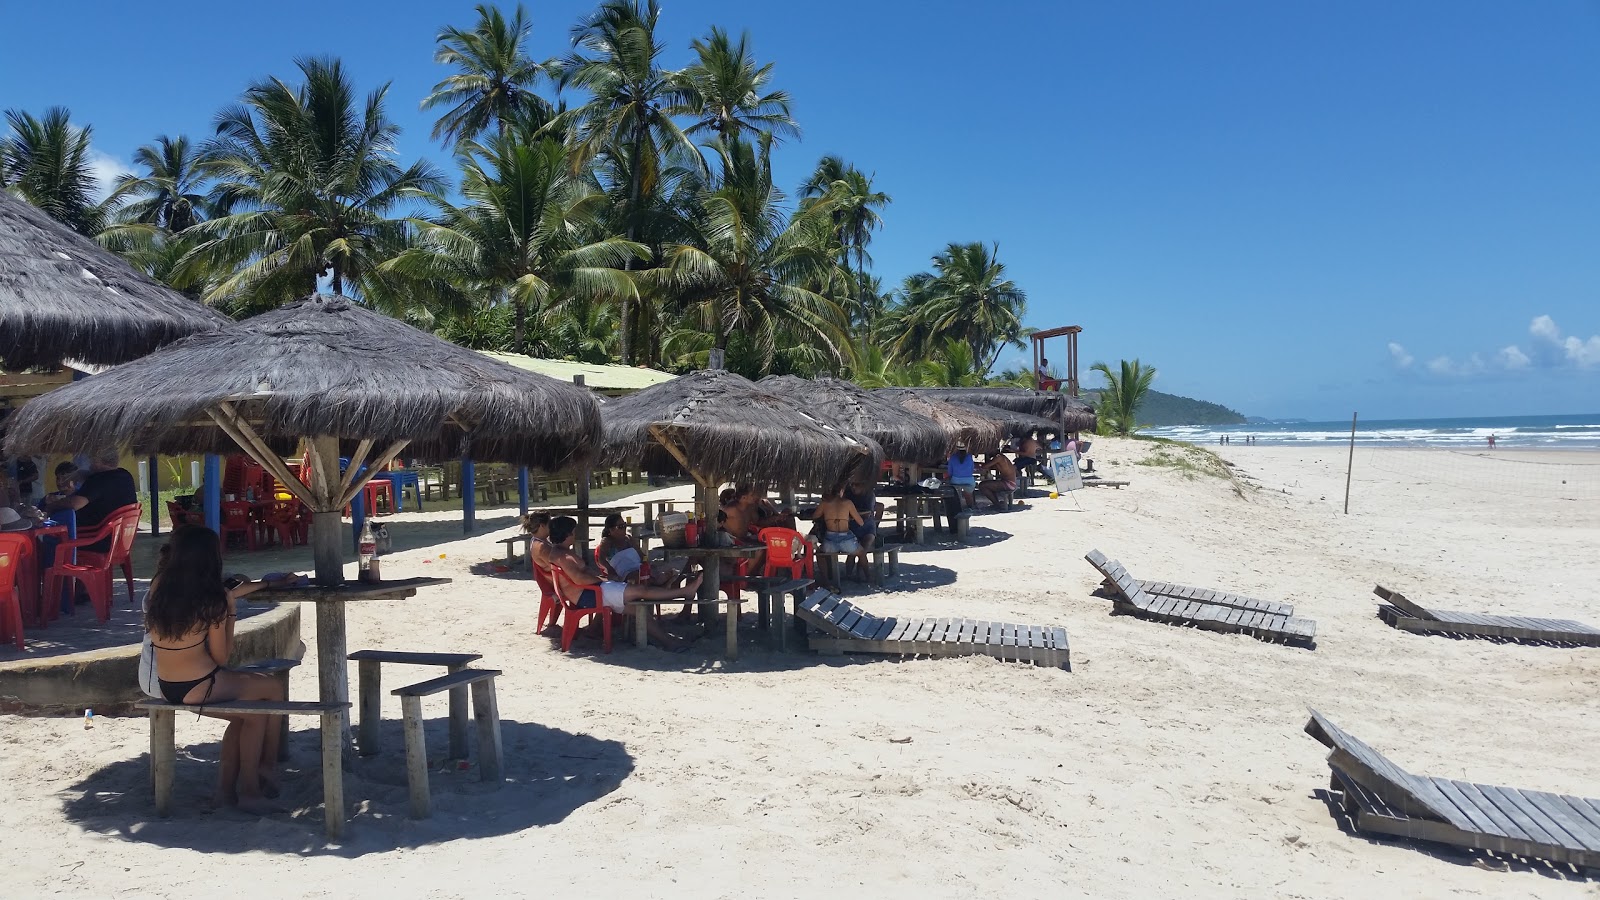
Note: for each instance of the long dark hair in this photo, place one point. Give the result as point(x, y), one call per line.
point(186, 593)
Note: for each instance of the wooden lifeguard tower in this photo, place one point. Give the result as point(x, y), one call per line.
point(1041, 378)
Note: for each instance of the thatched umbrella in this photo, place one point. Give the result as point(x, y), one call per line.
point(62, 296)
point(1015, 424)
point(1072, 413)
point(962, 425)
point(905, 436)
point(717, 426)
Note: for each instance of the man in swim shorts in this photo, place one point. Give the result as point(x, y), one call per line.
point(584, 588)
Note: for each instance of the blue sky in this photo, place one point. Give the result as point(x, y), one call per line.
point(1295, 209)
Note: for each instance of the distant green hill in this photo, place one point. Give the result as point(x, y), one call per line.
point(1161, 409)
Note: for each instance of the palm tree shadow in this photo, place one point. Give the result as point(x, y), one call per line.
point(549, 774)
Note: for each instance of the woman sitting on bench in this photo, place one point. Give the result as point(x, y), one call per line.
point(190, 615)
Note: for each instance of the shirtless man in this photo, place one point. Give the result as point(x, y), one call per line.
point(1030, 455)
point(761, 512)
point(1005, 479)
point(837, 515)
point(588, 590)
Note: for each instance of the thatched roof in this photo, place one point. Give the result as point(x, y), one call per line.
point(727, 429)
point(905, 436)
point(321, 366)
point(1074, 414)
point(1016, 424)
point(62, 296)
point(962, 425)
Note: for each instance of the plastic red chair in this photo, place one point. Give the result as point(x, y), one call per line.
point(122, 544)
point(181, 517)
point(236, 520)
point(92, 570)
point(549, 604)
point(19, 583)
point(573, 615)
point(781, 544)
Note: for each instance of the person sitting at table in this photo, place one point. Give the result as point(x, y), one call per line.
point(621, 560)
point(537, 526)
point(588, 590)
point(1004, 479)
point(1030, 455)
point(838, 517)
point(107, 488)
point(761, 512)
point(860, 494)
point(961, 470)
point(190, 614)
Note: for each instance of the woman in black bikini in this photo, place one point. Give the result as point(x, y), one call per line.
point(189, 614)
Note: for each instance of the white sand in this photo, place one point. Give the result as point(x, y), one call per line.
point(1169, 762)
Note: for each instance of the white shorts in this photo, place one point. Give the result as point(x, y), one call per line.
point(614, 595)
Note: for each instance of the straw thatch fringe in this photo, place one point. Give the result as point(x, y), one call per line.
point(962, 425)
point(728, 429)
point(1073, 413)
point(62, 296)
point(1015, 424)
point(905, 436)
point(322, 366)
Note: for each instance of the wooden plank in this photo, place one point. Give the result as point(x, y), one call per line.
point(1512, 809)
point(848, 621)
point(163, 757)
point(885, 628)
point(416, 757)
point(1063, 648)
point(1503, 823)
point(1579, 833)
point(1585, 809)
point(1480, 820)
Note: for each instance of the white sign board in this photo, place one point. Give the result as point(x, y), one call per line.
point(1064, 467)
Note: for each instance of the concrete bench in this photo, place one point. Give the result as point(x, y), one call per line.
point(485, 711)
point(370, 699)
point(886, 561)
point(769, 600)
point(164, 750)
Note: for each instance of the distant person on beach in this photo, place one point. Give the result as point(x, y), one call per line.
point(1005, 479)
point(190, 614)
point(1491, 442)
point(586, 589)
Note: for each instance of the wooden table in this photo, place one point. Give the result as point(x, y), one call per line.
point(711, 560)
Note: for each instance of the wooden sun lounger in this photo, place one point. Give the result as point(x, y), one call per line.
point(1221, 598)
point(847, 628)
point(1133, 599)
point(1408, 615)
point(1383, 798)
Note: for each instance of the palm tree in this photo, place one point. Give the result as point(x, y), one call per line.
point(628, 113)
point(722, 91)
point(1119, 400)
point(495, 86)
point(855, 215)
point(171, 193)
point(45, 161)
point(967, 298)
point(306, 181)
point(747, 270)
point(515, 238)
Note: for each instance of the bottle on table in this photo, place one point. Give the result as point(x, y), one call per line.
point(367, 554)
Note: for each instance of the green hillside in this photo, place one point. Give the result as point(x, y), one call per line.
point(1161, 409)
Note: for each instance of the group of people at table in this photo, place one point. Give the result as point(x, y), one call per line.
point(82, 501)
point(844, 522)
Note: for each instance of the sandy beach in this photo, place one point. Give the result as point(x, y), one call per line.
point(1168, 762)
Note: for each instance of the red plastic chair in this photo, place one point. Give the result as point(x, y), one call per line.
point(122, 544)
point(92, 570)
point(573, 615)
point(19, 583)
point(282, 521)
point(181, 517)
point(236, 520)
point(549, 604)
point(781, 544)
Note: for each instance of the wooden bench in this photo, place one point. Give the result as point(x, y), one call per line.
point(769, 600)
point(886, 561)
point(370, 685)
point(847, 628)
point(511, 546)
point(164, 750)
point(485, 711)
point(1407, 615)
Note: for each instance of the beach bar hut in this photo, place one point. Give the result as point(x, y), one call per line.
point(1072, 413)
point(343, 379)
point(961, 424)
point(716, 427)
point(905, 436)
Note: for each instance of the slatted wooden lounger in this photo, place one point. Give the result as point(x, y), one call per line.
point(1409, 616)
point(1263, 623)
point(849, 629)
point(1221, 598)
point(1383, 798)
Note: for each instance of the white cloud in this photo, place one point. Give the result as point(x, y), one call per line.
point(1444, 365)
point(1575, 350)
point(106, 169)
point(1512, 357)
point(1399, 356)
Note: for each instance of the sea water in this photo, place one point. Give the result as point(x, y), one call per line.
point(1581, 432)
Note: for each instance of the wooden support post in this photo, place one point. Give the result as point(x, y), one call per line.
point(369, 682)
point(583, 498)
point(163, 757)
point(155, 496)
point(1351, 465)
point(641, 625)
point(469, 495)
point(333, 774)
point(486, 711)
point(416, 757)
point(734, 608)
point(458, 717)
